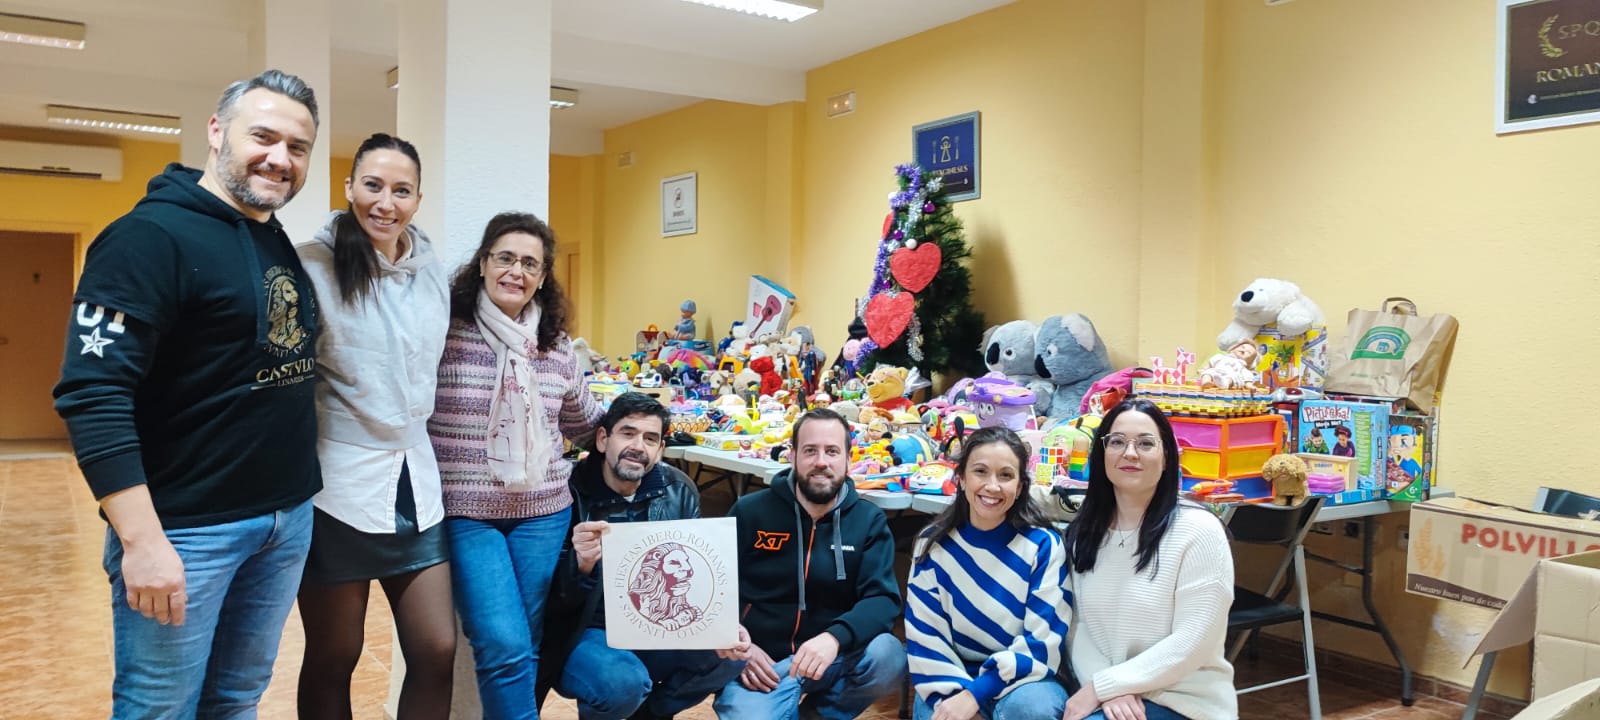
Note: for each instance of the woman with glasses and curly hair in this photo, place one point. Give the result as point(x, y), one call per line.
point(1151, 579)
point(509, 392)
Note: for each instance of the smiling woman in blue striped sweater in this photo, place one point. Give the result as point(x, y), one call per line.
point(986, 612)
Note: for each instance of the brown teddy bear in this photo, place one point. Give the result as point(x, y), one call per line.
point(1287, 474)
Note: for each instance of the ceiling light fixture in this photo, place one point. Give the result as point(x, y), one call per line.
point(112, 119)
point(790, 10)
point(30, 30)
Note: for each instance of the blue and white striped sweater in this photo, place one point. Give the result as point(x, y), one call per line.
point(986, 611)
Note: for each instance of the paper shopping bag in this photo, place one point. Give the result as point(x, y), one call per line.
point(1394, 352)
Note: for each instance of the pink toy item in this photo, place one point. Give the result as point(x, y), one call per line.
point(1106, 392)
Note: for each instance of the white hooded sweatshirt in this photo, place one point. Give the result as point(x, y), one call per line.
point(377, 367)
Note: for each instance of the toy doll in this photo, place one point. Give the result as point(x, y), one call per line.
point(684, 330)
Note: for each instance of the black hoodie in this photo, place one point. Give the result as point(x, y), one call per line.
point(191, 360)
point(799, 578)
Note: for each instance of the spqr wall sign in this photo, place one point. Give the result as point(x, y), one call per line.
point(1549, 64)
point(671, 585)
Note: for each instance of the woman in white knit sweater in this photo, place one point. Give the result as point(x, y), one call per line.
point(986, 609)
point(1152, 579)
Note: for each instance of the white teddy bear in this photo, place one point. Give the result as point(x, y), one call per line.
point(1266, 301)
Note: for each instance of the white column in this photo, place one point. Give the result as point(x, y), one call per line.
point(475, 100)
point(295, 39)
point(194, 115)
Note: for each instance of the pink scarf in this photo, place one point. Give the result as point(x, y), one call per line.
point(519, 442)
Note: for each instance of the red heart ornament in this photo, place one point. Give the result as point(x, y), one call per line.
point(888, 315)
point(914, 269)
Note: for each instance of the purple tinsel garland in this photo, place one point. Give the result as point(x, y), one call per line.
point(880, 266)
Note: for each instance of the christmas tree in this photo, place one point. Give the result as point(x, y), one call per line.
point(918, 311)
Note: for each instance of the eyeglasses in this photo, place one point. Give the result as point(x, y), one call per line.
point(503, 260)
point(1118, 444)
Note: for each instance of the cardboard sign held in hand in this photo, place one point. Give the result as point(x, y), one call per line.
point(672, 585)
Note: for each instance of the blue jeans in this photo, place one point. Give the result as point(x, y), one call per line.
point(1037, 700)
point(849, 686)
point(610, 684)
point(1152, 711)
point(241, 578)
point(502, 570)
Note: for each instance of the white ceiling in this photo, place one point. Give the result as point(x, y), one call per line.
point(629, 59)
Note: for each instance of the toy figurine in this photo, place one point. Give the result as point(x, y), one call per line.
point(684, 330)
point(850, 355)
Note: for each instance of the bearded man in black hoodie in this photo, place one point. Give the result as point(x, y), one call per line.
point(189, 400)
point(817, 589)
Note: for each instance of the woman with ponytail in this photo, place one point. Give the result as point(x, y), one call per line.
point(385, 307)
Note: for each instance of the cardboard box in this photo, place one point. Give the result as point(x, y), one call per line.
point(1410, 468)
point(1424, 435)
point(1299, 361)
point(1479, 553)
point(1579, 702)
point(1348, 429)
point(1556, 608)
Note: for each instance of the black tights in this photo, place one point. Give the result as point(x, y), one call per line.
point(334, 617)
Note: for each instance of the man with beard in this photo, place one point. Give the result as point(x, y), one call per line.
point(817, 588)
point(192, 414)
point(624, 481)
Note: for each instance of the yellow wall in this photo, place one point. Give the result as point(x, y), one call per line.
point(1056, 231)
point(81, 207)
point(338, 171)
point(745, 162)
point(1349, 166)
point(574, 215)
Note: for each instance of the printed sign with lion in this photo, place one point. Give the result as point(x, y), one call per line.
point(671, 585)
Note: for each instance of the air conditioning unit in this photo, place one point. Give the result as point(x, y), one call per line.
point(66, 161)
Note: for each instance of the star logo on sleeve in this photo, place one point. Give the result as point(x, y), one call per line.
point(94, 343)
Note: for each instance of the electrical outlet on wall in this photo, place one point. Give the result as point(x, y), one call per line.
point(1322, 528)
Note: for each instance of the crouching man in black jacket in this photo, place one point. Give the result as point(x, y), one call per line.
point(816, 587)
point(622, 481)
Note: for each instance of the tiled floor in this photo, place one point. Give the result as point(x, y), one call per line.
point(55, 629)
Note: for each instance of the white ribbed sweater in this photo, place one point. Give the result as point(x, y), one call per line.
point(1159, 634)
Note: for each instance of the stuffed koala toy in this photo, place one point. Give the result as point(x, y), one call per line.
point(1008, 350)
point(1268, 301)
point(1070, 356)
